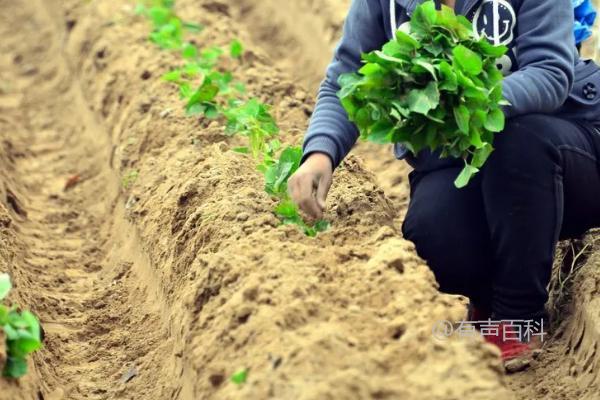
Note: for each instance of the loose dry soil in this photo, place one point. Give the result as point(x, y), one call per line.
point(164, 288)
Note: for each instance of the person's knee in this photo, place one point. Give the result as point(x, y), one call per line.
point(521, 133)
point(418, 227)
point(427, 230)
point(525, 143)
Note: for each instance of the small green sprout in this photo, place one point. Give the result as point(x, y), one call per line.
point(240, 377)
point(22, 331)
point(129, 178)
point(236, 49)
point(252, 119)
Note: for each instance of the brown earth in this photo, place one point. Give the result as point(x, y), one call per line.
point(163, 289)
point(569, 368)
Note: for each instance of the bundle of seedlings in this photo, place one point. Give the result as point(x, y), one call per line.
point(435, 85)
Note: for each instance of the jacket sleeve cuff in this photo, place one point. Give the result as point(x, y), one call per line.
point(324, 145)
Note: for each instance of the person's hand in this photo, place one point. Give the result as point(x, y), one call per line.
point(310, 184)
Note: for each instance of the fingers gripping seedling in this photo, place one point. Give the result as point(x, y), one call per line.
point(433, 86)
point(22, 332)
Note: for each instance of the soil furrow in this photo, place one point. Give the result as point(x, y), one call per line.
point(80, 269)
point(164, 287)
point(299, 38)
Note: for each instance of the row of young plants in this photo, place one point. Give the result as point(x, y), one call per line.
point(212, 92)
point(21, 330)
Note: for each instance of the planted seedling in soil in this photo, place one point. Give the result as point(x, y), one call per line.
point(167, 29)
point(200, 83)
point(277, 175)
point(433, 86)
point(22, 332)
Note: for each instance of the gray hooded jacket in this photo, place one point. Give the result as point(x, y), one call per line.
point(544, 73)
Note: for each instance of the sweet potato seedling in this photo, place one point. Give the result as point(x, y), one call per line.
point(253, 120)
point(167, 27)
point(22, 332)
point(200, 83)
point(277, 175)
point(433, 86)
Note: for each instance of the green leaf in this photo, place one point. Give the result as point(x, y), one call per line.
point(195, 109)
point(241, 150)
point(189, 51)
point(5, 285)
point(495, 120)
point(16, 367)
point(475, 139)
point(468, 60)
point(159, 16)
point(391, 59)
point(490, 50)
point(206, 92)
point(287, 209)
point(449, 79)
point(172, 76)
point(406, 43)
point(481, 155)
point(3, 315)
point(352, 79)
point(426, 66)
point(425, 15)
point(322, 225)
point(10, 332)
point(236, 49)
point(392, 48)
point(381, 133)
point(465, 176)
point(277, 175)
point(422, 101)
point(434, 48)
point(462, 117)
point(193, 27)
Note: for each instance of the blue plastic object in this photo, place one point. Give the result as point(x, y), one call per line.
point(585, 16)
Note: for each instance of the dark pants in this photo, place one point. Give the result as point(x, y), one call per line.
point(494, 241)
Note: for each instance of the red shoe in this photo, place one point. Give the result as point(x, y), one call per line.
point(517, 354)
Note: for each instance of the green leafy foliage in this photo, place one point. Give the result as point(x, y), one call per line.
point(252, 119)
point(276, 177)
point(167, 29)
point(287, 210)
point(22, 332)
point(433, 86)
point(212, 93)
